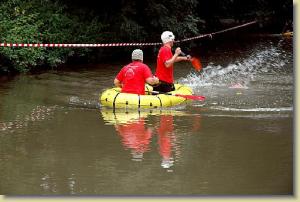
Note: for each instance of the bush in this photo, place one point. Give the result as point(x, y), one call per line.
point(41, 21)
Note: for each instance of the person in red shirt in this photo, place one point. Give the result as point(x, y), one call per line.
point(132, 77)
point(165, 62)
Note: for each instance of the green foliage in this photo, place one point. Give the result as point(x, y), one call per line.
point(21, 29)
point(42, 21)
point(148, 19)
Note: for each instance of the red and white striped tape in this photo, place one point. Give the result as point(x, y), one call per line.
point(54, 45)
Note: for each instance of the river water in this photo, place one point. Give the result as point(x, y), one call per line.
point(55, 138)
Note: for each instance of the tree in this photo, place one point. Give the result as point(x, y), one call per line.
point(42, 21)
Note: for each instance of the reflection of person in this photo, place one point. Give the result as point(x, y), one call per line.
point(165, 137)
point(196, 123)
point(135, 136)
point(132, 77)
point(165, 62)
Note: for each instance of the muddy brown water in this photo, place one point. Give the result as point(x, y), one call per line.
point(55, 138)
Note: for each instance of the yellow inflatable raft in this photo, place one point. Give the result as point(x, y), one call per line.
point(115, 99)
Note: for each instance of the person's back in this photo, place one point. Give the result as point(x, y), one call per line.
point(132, 77)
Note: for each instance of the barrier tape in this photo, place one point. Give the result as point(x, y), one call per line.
point(54, 45)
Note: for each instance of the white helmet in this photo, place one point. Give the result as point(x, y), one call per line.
point(167, 36)
point(137, 54)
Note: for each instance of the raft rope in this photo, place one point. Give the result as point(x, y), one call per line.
point(54, 45)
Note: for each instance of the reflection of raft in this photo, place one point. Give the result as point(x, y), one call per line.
point(114, 98)
point(112, 117)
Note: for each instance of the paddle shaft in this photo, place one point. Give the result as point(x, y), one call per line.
point(183, 54)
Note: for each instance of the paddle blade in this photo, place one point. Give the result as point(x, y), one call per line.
point(196, 63)
point(192, 97)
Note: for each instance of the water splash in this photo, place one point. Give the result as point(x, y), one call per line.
point(262, 60)
point(260, 80)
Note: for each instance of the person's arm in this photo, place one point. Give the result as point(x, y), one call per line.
point(182, 58)
point(149, 78)
point(175, 58)
point(117, 83)
point(152, 80)
point(119, 78)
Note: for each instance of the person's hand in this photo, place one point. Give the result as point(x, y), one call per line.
point(156, 80)
point(188, 57)
point(177, 51)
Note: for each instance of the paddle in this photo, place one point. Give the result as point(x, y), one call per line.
point(191, 97)
point(195, 62)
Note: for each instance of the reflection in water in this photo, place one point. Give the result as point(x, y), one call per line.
point(136, 134)
point(48, 184)
point(166, 138)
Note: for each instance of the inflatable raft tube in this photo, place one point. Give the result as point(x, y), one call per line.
point(115, 99)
